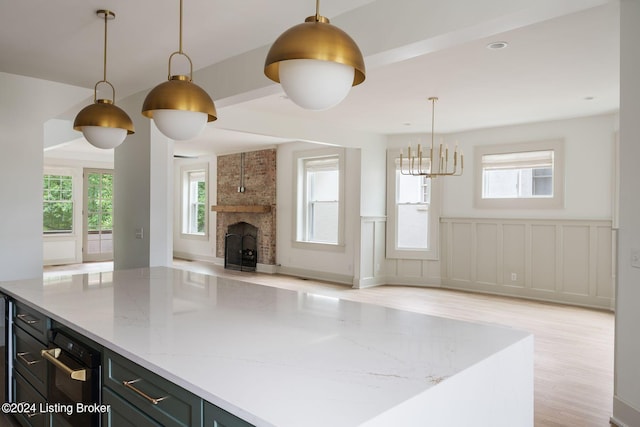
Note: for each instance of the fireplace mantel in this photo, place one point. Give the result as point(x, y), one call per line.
point(242, 208)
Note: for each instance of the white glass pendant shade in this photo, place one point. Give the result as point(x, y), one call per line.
point(180, 125)
point(102, 123)
point(314, 84)
point(104, 137)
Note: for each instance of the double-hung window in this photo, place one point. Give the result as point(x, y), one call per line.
point(319, 205)
point(194, 201)
point(58, 204)
point(528, 175)
point(412, 218)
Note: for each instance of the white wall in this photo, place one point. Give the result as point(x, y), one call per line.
point(325, 264)
point(589, 180)
point(25, 105)
point(160, 199)
point(626, 405)
point(187, 247)
point(589, 175)
point(373, 198)
point(143, 194)
point(131, 191)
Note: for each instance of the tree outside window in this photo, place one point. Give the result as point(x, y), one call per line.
point(100, 202)
point(58, 204)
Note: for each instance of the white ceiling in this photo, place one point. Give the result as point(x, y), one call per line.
point(561, 68)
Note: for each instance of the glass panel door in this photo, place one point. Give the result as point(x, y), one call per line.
point(98, 215)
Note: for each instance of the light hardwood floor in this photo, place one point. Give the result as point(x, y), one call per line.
point(573, 345)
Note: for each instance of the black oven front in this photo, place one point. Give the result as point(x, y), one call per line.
point(74, 380)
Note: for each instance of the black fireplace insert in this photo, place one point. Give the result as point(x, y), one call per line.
point(240, 247)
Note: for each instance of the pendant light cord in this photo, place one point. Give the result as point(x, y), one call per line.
point(180, 46)
point(180, 52)
point(317, 10)
point(107, 15)
point(104, 78)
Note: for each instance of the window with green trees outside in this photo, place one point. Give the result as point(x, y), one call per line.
point(58, 204)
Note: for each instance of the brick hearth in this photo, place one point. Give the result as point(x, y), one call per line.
point(260, 191)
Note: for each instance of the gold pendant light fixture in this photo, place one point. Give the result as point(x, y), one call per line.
point(179, 107)
point(431, 164)
point(315, 62)
point(102, 123)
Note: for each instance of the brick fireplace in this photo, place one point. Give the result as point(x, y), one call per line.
point(254, 173)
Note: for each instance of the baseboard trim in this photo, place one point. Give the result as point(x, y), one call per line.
point(266, 268)
point(368, 282)
point(194, 257)
point(624, 415)
point(529, 293)
point(316, 275)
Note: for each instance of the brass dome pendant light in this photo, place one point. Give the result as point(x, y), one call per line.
point(102, 123)
point(179, 107)
point(316, 63)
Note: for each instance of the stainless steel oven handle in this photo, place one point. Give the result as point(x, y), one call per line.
point(22, 355)
point(27, 319)
point(52, 355)
point(153, 400)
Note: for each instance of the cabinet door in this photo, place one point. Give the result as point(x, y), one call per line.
point(123, 414)
point(24, 392)
point(27, 359)
point(216, 417)
point(58, 420)
point(31, 321)
point(160, 399)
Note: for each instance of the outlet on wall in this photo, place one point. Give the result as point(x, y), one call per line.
point(514, 277)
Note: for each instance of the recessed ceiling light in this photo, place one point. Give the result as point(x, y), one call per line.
point(497, 45)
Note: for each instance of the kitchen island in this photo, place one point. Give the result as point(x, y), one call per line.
point(275, 357)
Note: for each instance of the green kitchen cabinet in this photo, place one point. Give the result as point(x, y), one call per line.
point(216, 417)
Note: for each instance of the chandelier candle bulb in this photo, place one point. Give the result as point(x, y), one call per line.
point(433, 167)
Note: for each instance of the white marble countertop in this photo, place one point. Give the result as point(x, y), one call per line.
point(270, 356)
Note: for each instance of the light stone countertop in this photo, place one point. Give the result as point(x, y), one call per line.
point(271, 356)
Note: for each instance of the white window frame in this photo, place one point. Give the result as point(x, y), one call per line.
point(392, 251)
point(73, 201)
point(300, 199)
point(185, 201)
point(554, 202)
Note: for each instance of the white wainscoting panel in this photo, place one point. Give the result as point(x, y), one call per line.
point(372, 252)
point(568, 261)
point(60, 250)
point(377, 269)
